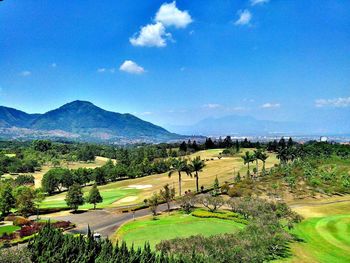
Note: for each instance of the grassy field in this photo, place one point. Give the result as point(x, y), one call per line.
point(172, 226)
point(8, 229)
point(325, 232)
point(134, 191)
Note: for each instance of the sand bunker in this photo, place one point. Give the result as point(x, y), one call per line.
point(139, 186)
point(127, 199)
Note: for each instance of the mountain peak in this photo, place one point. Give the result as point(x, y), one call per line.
point(78, 103)
point(86, 120)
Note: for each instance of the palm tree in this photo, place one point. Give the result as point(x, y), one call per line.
point(197, 166)
point(263, 157)
point(179, 166)
point(282, 155)
point(257, 154)
point(248, 158)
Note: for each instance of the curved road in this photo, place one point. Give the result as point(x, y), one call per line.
point(105, 221)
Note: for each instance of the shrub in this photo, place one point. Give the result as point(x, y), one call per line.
point(235, 192)
point(225, 188)
point(221, 215)
point(21, 221)
point(30, 230)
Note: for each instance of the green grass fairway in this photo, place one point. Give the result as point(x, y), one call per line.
point(8, 229)
point(327, 239)
point(172, 226)
point(109, 195)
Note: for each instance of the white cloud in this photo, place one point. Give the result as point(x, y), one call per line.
point(130, 66)
point(258, 2)
point(337, 102)
point(169, 15)
point(153, 35)
point(101, 70)
point(212, 106)
point(53, 65)
point(25, 73)
point(269, 105)
point(245, 16)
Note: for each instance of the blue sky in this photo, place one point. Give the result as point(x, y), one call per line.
point(179, 62)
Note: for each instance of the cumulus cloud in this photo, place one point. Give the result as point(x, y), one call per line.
point(152, 35)
point(212, 106)
point(25, 73)
point(270, 105)
point(245, 16)
point(337, 102)
point(169, 15)
point(258, 2)
point(155, 34)
point(131, 67)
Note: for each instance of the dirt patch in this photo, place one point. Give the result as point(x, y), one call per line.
point(139, 186)
point(126, 200)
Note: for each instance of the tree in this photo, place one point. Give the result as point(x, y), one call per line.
point(183, 147)
point(153, 203)
point(209, 144)
point(263, 157)
point(216, 186)
point(74, 197)
point(50, 182)
point(257, 155)
point(197, 166)
point(38, 199)
point(248, 158)
point(94, 196)
point(282, 155)
point(7, 200)
point(99, 175)
point(167, 194)
point(25, 200)
point(179, 166)
point(213, 203)
point(187, 201)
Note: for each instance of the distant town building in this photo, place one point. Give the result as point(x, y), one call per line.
point(323, 139)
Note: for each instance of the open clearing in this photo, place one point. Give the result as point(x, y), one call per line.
point(143, 187)
point(325, 231)
point(38, 175)
point(171, 226)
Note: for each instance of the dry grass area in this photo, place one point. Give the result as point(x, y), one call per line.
point(224, 168)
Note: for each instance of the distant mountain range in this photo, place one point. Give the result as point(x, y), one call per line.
point(80, 120)
point(250, 126)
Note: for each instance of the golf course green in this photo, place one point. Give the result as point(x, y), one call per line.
point(108, 193)
point(326, 239)
point(177, 224)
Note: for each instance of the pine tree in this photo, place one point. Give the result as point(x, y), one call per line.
point(216, 186)
point(94, 196)
point(74, 197)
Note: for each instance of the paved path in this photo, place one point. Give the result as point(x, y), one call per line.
point(105, 221)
